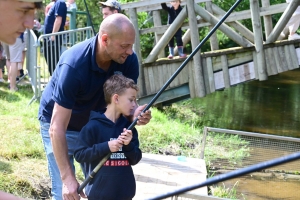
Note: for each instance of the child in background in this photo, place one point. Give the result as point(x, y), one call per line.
point(105, 133)
point(2, 62)
point(173, 12)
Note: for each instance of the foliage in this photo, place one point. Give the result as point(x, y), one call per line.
point(223, 192)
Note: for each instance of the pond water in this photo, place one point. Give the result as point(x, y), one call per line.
point(269, 107)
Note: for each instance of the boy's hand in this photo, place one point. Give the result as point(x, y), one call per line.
point(115, 145)
point(126, 136)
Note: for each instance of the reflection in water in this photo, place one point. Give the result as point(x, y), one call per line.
point(270, 107)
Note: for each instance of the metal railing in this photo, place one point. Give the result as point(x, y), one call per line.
point(43, 54)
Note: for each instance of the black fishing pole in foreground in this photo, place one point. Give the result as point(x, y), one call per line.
point(233, 174)
point(89, 178)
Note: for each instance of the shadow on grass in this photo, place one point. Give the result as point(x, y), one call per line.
point(5, 167)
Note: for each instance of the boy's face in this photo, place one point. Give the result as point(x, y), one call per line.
point(106, 12)
point(127, 101)
point(175, 4)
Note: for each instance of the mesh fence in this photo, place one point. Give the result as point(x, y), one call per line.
point(278, 182)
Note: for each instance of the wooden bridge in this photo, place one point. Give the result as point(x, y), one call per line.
point(255, 59)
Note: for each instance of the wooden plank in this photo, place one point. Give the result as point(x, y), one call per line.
point(255, 64)
point(284, 65)
point(288, 57)
point(147, 80)
point(294, 56)
point(151, 82)
point(160, 76)
point(271, 61)
point(145, 5)
point(210, 75)
point(278, 61)
point(191, 79)
point(225, 71)
point(232, 59)
point(205, 75)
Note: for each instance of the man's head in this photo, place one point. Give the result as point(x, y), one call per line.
point(110, 7)
point(116, 38)
point(122, 92)
point(15, 17)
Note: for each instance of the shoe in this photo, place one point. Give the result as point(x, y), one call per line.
point(2, 80)
point(182, 56)
point(295, 36)
point(170, 56)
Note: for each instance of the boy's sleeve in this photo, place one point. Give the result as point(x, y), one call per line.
point(86, 150)
point(132, 150)
point(164, 6)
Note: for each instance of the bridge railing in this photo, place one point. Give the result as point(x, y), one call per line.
point(209, 16)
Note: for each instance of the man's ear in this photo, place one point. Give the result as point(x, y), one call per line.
point(104, 39)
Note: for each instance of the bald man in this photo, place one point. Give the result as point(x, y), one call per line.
point(15, 17)
point(76, 88)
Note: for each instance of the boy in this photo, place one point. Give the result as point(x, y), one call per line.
point(173, 13)
point(106, 132)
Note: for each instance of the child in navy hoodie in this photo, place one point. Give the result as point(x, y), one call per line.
point(105, 133)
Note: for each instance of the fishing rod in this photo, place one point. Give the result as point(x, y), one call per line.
point(93, 173)
point(233, 174)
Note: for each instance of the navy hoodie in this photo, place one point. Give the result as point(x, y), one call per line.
point(115, 179)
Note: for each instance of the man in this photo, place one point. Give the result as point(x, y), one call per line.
point(110, 7)
point(15, 17)
point(21, 15)
point(76, 88)
point(54, 22)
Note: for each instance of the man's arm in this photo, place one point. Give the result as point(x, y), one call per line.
point(6, 196)
point(56, 26)
point(59, 123)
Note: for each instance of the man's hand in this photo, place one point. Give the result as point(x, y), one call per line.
point(115, 145)
point(70, 187)
point(145, 117)
point(126, 136)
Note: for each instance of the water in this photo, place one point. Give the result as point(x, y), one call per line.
point(271, 107)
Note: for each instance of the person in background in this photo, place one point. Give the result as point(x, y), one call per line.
point(16, 59)
point(2, 62)
point(293, 24)
point(110, 7)
point(173, 12)
point(106, 133)
point(47, 8)
point(10, 14)
point(54, 22)
point(76, 88)
point(71, 4)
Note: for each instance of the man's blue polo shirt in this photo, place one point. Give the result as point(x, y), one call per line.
point(58, 9)
point(77, 83)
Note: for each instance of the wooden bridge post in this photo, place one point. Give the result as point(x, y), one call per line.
point(197, 68)
point(267, 19)
point(258, 38)
point(157, 22)
point(214, 44)
point(137, 48)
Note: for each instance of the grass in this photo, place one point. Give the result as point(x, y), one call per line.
point(175, 130)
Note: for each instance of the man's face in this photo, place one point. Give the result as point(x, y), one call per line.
point(120, 47)
point(15, 17)
point(106, 12)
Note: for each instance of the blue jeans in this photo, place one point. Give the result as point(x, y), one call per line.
point(53, 170)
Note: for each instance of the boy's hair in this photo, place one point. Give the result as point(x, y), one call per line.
point(117, 84)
